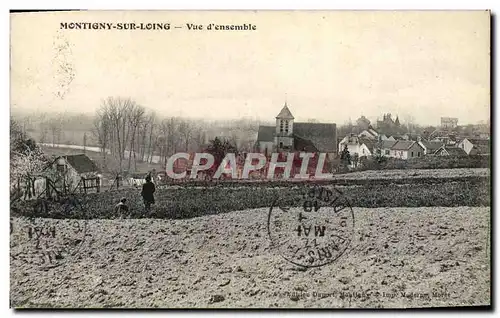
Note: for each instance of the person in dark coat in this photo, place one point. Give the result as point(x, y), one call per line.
point(148, 190)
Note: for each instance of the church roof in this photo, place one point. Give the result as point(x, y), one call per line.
point(301, 144)
point(285, 113)
point(266, 133)
point(322, 136)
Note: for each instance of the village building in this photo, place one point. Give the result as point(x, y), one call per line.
point(290, 136)
point(401, 149)
point(449, 123)
point(371, 134)
point(450, 151)
point(363, 147)
point(383, 147)
point(75, 172)
point(430, 147)
point(405, 149)
point(475, 146)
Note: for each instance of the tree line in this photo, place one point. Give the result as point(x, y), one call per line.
point(128, 133)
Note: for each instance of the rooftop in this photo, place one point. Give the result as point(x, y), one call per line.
point(285, 113)
point(81, 163)
point(402, 145)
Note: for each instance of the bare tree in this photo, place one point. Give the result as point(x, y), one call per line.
point(200, 138)
point(146, 128)
point(410, 122)
point(135, 117)
point(102, 129)
point(185, 131)
point(56, 129)
point(117, 111)
point(152, 128)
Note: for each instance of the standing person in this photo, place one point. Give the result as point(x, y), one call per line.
point(148, 190)
point(121, 208)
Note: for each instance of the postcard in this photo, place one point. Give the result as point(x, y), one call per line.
point(250, 159)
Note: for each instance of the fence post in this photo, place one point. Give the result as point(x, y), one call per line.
point(84, 186)
point(98, 184)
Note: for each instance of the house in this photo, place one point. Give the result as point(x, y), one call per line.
point(449, 122)
point(369, 133)
point(383, 147)
point(289, 136)
point(356, 145)
point(484, 135)
point(411, 137)
point(450, 151)
point(405, 149)
point(367, 148)
point(444, 140)
point(401, 149)
point(430, 147)
point(72, 171)
point(443, 136)
point(352, 142)
point(475, 146)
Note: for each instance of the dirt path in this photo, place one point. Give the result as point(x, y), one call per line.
point(227, 261)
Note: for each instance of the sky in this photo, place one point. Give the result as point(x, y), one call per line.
point(330, 66)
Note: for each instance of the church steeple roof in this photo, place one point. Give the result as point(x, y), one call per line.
point(285, 113)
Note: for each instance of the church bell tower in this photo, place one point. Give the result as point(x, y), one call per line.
point(283, 140)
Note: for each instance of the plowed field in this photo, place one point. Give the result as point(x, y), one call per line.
point(399, 257)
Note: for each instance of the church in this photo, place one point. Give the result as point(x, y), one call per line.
point(290, 136)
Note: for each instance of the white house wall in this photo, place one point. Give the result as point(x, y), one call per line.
point(353, 149)
point(364, 151)
point(466, 145)
point(342, 143)
point(400, 154)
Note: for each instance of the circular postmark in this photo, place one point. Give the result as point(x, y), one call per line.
point(48, 242)
point(312, 229)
